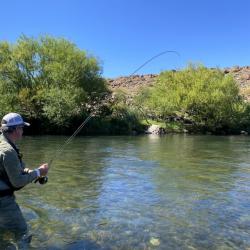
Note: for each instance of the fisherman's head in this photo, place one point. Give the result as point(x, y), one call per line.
point(13, 124)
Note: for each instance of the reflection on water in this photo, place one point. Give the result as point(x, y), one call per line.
point(171, 192)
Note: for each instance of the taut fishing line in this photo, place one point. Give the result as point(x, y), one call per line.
point(59, 150)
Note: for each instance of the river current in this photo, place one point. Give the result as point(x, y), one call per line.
point(140, 192)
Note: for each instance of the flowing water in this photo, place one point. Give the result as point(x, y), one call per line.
point(145, 192)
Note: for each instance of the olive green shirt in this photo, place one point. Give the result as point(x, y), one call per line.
point(12, 166)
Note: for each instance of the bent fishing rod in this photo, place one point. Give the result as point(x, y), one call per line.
point(60, 149)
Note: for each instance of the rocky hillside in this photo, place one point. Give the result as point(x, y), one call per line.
point(242, 77)
point(133, 83)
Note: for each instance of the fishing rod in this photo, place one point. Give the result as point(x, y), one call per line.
point(60, 149)
point(44, 179)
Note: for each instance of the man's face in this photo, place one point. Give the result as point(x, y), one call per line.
point(19, 132)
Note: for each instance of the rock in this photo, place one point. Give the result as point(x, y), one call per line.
point(156, 130)
point(244, 132)
point(155, 242)
point(245, 77)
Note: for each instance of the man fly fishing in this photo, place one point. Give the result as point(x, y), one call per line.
point(13, 174)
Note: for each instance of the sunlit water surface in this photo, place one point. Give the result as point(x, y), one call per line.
point(149, 192)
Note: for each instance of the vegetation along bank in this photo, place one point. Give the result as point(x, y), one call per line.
point(55, 86)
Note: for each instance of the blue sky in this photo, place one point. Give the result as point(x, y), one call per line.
point(123, 34)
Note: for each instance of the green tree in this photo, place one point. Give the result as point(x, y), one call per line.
point(48, 78)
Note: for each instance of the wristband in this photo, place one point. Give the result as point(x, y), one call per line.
point(37, 172)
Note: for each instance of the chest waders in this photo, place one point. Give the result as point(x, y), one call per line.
point(4, 177)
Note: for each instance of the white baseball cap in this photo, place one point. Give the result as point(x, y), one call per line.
point(13, 119)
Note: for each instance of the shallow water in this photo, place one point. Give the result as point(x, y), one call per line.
point(148, 192)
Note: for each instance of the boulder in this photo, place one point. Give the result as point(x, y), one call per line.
point(156, 130)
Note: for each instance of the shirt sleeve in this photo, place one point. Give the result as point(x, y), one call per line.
point(17, 177)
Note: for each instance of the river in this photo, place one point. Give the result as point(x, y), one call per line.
point(140, 192)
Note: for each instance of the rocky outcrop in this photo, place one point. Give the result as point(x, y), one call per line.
point(132, 83)
point(242, 77)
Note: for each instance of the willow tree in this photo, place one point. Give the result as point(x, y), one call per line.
point(47, 78)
